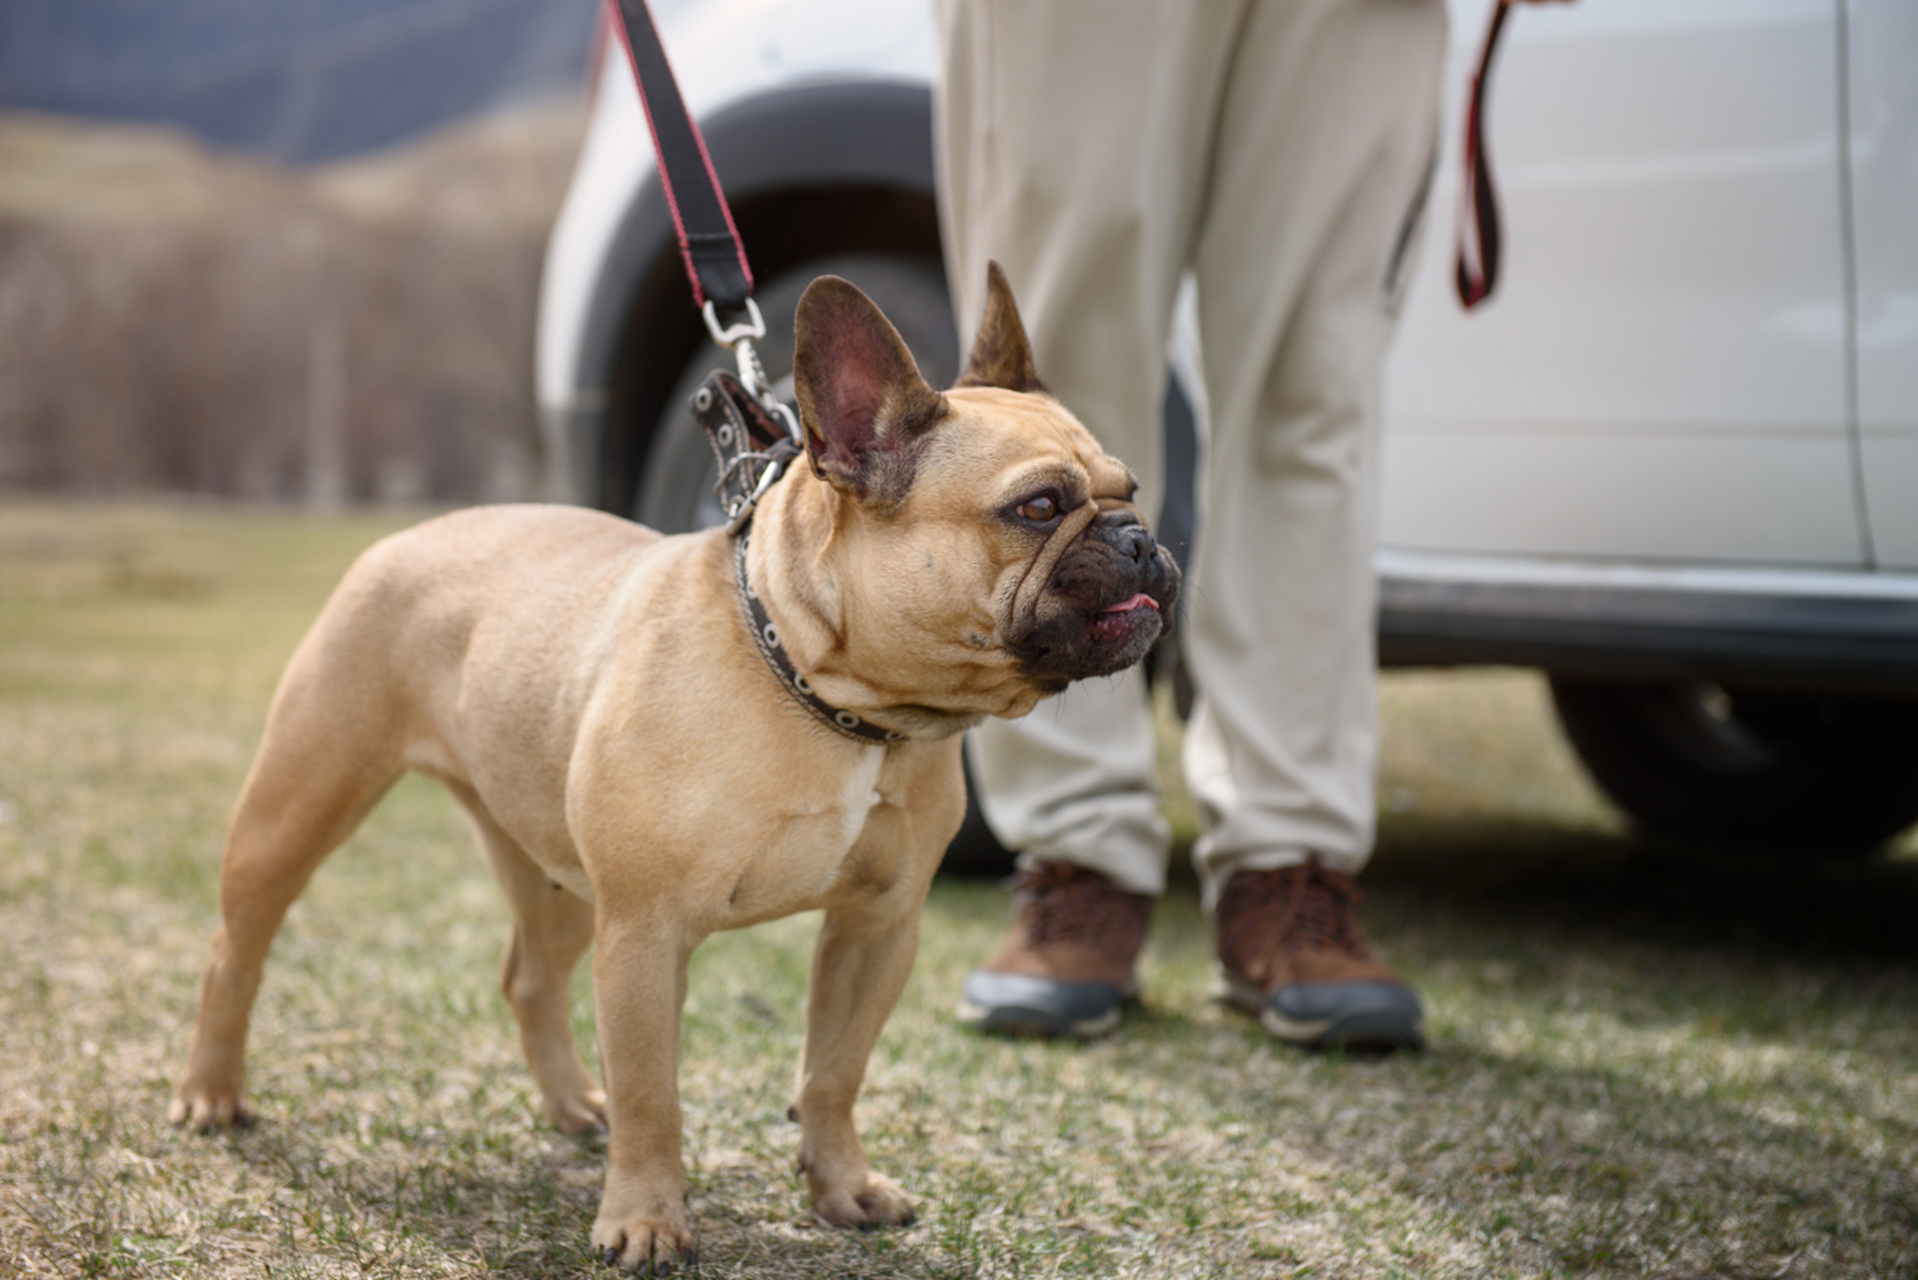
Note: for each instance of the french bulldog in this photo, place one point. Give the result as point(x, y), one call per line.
point(604, 702)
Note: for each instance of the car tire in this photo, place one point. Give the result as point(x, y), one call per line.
point(1747, 769)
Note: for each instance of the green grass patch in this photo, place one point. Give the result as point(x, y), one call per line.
point(1644, 1062)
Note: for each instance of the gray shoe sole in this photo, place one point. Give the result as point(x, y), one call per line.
point(1018, 1004)
point(1329, 1015)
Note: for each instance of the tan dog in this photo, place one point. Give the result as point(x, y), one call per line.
point(640, 776)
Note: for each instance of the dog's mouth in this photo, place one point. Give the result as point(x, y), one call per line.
point(1120, 622)
point(1106, 601)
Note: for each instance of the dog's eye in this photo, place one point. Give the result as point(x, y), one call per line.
point(1039, 510)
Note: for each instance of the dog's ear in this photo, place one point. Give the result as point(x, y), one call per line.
point(1001, 356)
point(865, 409)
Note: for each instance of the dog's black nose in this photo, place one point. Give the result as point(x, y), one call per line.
point(1122, 531)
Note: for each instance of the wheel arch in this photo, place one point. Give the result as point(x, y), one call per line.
point(808, 170)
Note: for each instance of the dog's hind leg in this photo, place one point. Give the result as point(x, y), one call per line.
point(323, 765)
point(551, 930)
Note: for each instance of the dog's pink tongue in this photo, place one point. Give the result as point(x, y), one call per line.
point(1140, 601)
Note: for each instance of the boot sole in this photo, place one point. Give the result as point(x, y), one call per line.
point(1364, 1031)
point(1036, 1024)
point(1028, 1005)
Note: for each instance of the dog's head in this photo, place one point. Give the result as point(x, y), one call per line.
point(987, 551)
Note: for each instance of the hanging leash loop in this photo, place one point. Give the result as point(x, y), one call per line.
point(1476, 272)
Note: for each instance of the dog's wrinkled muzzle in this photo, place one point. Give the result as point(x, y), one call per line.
point(1095, 598)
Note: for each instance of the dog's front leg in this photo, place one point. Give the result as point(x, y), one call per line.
point(864, 956)
point(639, 984)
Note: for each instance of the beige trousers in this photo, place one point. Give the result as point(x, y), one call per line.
point(1279, 151)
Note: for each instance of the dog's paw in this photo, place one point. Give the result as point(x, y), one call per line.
point(649, 1246)
point(206, 1108)
point(580, 1113)
point(872, 1201)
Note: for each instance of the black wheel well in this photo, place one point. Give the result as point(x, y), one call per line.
point(781, 228)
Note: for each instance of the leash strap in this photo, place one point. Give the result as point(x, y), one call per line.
point(708, 240)
point(1478, 229)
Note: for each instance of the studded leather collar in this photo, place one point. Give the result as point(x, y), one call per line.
point(766, 638)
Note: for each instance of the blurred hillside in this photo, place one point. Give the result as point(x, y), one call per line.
point(172, 318)
point(295, 80)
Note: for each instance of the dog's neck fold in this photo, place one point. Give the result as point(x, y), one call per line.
point(799, 575)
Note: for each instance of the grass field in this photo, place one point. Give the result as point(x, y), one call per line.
point(1643, 1062)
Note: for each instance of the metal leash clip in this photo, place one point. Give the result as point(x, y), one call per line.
point(739, 337)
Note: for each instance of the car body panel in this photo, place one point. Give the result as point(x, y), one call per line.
point(1661, 373)
point(1883, 102)
point(1784, 629)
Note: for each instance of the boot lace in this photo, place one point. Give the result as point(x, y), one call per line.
point(1063, 904)
point(1304, 908)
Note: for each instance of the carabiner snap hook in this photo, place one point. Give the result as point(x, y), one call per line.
point(753, 327)
point(739, 337)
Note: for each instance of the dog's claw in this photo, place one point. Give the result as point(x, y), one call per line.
point(645, 1249)
point(875, 1203)
point(209, 1112)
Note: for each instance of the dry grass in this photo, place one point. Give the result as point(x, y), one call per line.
point(1644, 1063)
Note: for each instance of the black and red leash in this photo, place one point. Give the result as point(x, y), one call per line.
point(1476, 272)
point(708, 241)
point(754, 435)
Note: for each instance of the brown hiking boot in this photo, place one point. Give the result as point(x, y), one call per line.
point(1291, 954)
point(1067, 965)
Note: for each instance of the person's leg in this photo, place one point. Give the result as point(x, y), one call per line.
point(1072, 143)
point(1074, 782)
point(1327, 126)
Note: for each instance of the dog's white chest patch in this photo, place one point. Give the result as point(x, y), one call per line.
point(860, 793)
point(857, 797)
